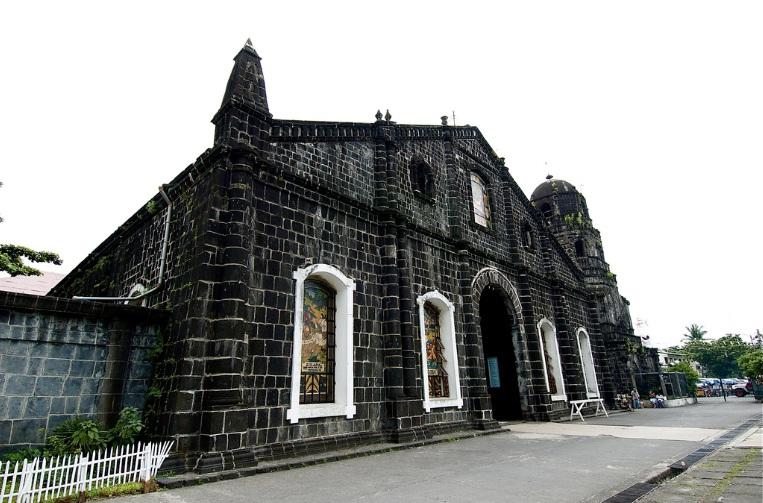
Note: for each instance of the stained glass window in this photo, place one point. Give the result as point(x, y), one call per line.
point(480, 201)
point(550, 370)
point(318, 344)
point(552, 361)
point(586, 358)
point(438, 377)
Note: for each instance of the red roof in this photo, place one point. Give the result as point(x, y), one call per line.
point(34, 285)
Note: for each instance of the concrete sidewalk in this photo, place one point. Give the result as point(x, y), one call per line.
point(730, 475)
point(601, 459)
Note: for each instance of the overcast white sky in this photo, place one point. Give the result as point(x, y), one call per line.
point(654, 110)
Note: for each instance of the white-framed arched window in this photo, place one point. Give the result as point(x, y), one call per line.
point(136, 291)
point(439, 357)
point(322, 352)
point(586, 360)
point(552, 363)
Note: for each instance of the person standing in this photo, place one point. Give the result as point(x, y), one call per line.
point(635, 399)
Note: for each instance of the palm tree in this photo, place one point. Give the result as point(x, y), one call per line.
point(695, 333)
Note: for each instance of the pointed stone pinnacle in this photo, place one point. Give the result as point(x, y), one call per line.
point(249, 47)
point(387, 116)
point(378, 115)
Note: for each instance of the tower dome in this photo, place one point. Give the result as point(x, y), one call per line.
point(550, 187)
point(558, 197)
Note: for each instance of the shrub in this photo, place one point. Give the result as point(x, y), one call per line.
point(127, 428)
point(74, 436)
point(20, 455)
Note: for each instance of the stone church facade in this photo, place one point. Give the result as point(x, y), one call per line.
point(335, 283)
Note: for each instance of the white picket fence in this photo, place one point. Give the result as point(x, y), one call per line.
point(49, 478)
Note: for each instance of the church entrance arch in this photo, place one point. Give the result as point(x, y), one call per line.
point(501, 329)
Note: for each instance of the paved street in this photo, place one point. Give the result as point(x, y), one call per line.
point(542, 462)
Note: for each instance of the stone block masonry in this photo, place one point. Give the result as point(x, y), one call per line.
point(63, 358)
point(384, 214)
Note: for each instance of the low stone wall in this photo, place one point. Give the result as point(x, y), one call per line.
point(680, 402)
point(61, 358)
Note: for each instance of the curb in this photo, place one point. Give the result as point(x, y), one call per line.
point(639, 489)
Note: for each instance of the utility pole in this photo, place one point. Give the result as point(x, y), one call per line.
point(723, 387)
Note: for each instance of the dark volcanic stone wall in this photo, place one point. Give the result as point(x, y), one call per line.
point(296, 227)
point(274, 196)
point(61, 358)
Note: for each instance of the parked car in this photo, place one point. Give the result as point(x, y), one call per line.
point(742, 389)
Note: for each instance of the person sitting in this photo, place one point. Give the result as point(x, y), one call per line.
point(657, 402)
point(660, 401)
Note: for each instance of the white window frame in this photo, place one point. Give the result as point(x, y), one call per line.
point(343, 404)
point(484, 200)
point(448, 339)
point(587, 367)
point(555, 356)
point(136, 291)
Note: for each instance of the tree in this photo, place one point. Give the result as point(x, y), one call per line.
point(11, 258)
point(695, 333)
point(757, 339)
point(751, 363)
point(718, 358)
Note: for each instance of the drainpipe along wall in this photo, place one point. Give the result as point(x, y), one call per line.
point(162, 261)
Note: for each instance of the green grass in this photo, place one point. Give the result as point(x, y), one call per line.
point(102, 492)
point(738, 468)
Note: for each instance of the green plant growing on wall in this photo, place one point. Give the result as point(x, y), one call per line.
point(151, 207)
point(156, 350)
point(634, 348)
point(154, 392)
point(575, 220)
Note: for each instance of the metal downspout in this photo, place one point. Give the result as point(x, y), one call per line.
point(162, 262)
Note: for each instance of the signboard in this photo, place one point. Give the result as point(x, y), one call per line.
point(315, 367)
point(493, 377)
